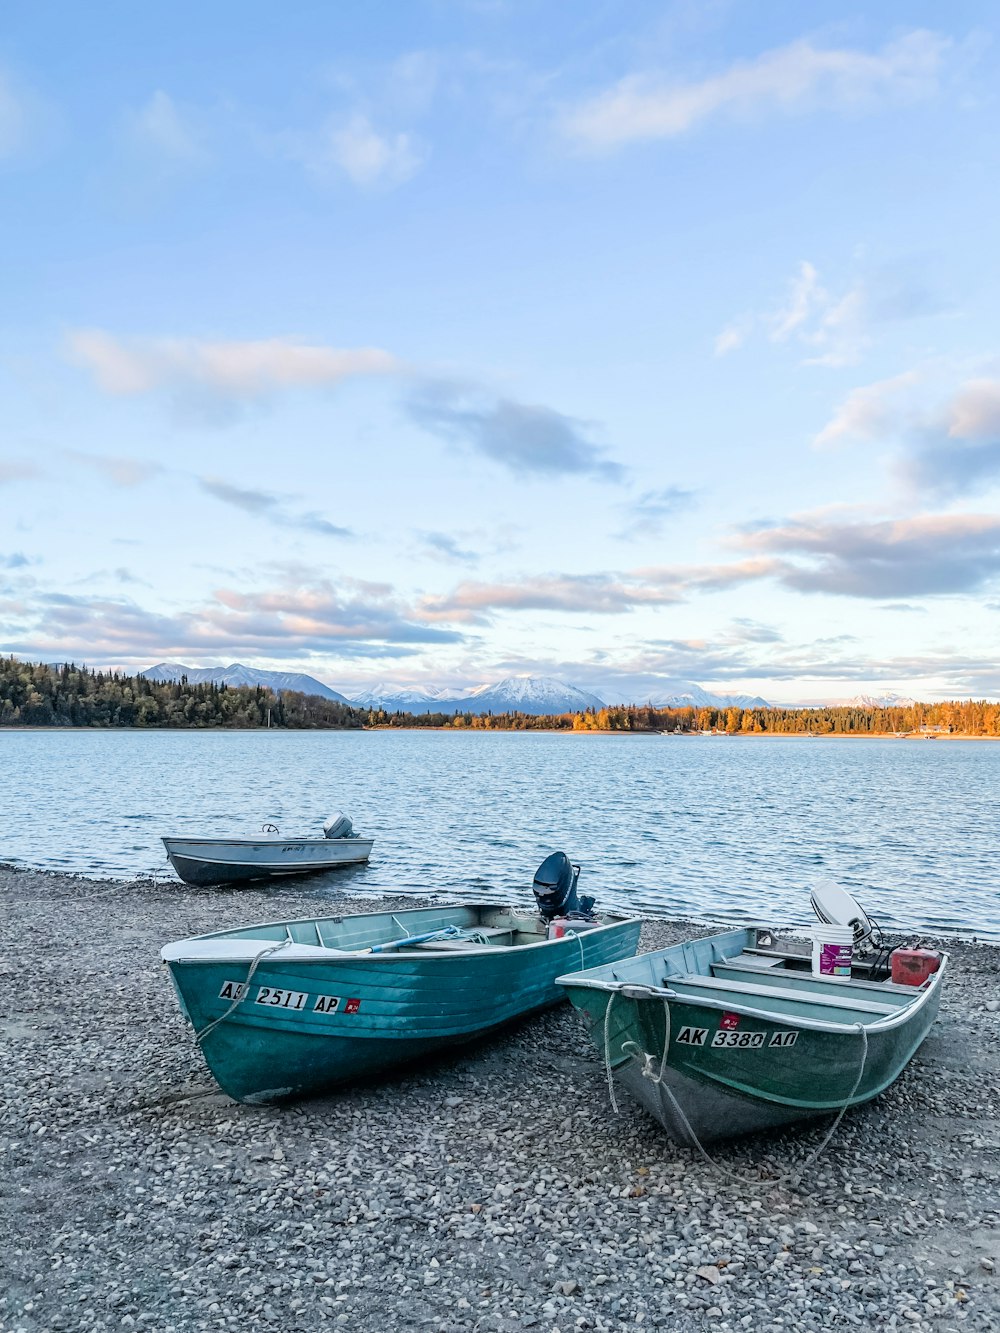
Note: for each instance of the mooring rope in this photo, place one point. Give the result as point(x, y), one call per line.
point(607, 1052)
point(648, 1061)
point(243, 990)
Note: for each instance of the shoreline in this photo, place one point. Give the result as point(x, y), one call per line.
point(488, 1189)
point(516, 731)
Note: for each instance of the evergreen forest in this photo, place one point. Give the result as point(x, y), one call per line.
point(72, 696)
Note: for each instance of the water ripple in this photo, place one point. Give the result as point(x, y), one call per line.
point(720, 829)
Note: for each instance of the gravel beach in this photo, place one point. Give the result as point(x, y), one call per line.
point(489, 1189)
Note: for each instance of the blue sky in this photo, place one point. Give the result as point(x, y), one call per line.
point(438, 342)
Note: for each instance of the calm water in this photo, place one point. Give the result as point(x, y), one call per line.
point(716, 828)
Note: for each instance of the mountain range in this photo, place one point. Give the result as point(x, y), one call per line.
point(237, 674)
point(881, 701)
point(537, 695)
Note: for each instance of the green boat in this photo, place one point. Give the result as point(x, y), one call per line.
point(734, 1033)
point(292, 1008)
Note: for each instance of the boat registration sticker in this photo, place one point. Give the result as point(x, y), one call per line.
point(282, 999)
point(752, 1041)
point(745, 1040)
point(692, 1036)
point(782, 1039)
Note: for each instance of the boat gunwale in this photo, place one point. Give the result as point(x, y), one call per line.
point(333, 955)
point(887, 1023)
point(171, 843)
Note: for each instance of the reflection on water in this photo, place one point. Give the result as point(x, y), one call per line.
point(717, 828)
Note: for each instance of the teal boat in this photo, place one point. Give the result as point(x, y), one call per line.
point(292, 1008)
point(734, 1033)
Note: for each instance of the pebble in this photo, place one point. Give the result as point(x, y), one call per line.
point(486, 1190)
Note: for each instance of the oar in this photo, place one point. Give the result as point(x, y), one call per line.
point(446, 933)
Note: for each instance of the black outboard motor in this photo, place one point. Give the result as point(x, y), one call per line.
point(555, 889)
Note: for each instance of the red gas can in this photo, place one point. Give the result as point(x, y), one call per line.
point(912, 967)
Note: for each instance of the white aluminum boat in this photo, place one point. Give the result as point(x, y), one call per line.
point(233, 860)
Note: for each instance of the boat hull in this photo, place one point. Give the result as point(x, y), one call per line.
point(803, 1062)
point(229, 861)
point(361, 1013)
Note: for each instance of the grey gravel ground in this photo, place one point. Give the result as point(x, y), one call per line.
point(487, 1190)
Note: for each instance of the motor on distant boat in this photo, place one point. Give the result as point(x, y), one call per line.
point(338, 825)
point(555, 890)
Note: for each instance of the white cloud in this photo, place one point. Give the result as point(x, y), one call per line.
point(832, 327)
point(974, 412)
point(866, 413)
point(927, 555)
point(805, 296)
point(160, 126)
point(124, 472)
point(732, 337)
point(791, 78)
point(245, 370)
point(356, 149)
point(943, 449)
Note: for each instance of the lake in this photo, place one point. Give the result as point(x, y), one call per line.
point(716, 828)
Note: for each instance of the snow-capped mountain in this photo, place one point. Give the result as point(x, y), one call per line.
point(403, 698)
point(881, 701)
point(537, 695)
point(530, 694)
point(237, 674)
point(684, 694)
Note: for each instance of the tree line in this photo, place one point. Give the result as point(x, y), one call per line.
point(967, 717)
point(38, 695)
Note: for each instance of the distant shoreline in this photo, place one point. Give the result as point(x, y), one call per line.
point(524, 731)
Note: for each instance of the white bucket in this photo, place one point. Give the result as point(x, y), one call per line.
point(832, 951)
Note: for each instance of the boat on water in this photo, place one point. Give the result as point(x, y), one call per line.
point(234, 860)
point(736, 1033)
point(292, 1008)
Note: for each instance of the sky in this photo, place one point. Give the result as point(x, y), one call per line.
point(440, 341)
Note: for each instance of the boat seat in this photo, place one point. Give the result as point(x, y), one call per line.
point(805, 982)
point(756, 964)
point(738, 989)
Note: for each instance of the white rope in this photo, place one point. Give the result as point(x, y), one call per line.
point(607, 1052)
point(579, 940)
point(241, 991)
point(648, 1062)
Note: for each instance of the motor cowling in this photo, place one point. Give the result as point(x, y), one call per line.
point(338, 826)
point(554, 888)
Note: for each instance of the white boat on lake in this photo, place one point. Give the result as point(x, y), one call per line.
point(234, 860)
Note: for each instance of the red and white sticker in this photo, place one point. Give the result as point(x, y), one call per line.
point(729, 1022)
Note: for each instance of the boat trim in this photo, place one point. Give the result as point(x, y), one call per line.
point(732, 1004)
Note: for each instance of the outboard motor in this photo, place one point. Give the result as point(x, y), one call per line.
point(338, 826)
point(555, 889)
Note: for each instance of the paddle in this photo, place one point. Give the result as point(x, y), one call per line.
point(446, 933)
